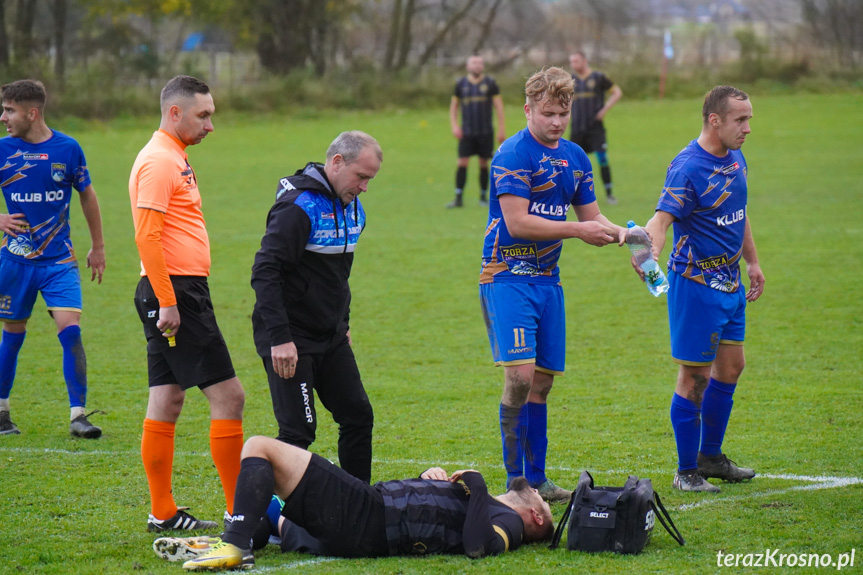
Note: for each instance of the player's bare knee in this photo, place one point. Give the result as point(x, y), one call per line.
point(257, 446)
point(515, 390)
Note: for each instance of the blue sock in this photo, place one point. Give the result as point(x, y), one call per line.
point(536, 443)
point(10, 345)
point(510, 435)
point(715, 411)
point(686, 421)
point(74, 365)
point(274, 511)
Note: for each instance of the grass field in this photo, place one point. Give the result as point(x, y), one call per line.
point(77, 506)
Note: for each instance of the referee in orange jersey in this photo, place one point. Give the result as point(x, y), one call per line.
point(184, 345)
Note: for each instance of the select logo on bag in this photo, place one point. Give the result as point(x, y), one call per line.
point(649, 520)
point(598, 515)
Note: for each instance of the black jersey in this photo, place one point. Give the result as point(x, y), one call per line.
point(589, 98)
point(424, 516)
point(476, 105)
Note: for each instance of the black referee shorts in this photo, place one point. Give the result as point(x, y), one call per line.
point(200, 357)
point(481, 146)
point(344, 513)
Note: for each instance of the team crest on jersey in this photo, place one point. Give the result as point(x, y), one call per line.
point(559, 162)
point(483, 88)
point(732, 168)
point(35, 156)
point(58, 172)
point(19, 246)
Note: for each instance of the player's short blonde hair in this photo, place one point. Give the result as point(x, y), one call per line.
point(552, 83)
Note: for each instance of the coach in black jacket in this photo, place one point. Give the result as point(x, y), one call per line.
point(300, 277)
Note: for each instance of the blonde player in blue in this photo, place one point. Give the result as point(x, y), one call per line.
point(41, 168)
point(536, 178)
point(704, 198)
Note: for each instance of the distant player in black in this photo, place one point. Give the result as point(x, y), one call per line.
point(589, 107)
point(436, 513)
point(476, 94)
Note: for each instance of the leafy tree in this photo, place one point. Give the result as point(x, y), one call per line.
point(838, 25)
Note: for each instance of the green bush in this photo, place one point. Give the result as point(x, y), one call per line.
point(102, 92)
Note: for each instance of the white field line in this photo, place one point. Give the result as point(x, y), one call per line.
point(812, 482)
point(296, 564)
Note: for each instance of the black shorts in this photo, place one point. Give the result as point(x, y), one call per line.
point(344, 513)
point(481, 146)
point(201, 357)
point(591, 141)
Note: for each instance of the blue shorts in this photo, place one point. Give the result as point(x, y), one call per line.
point(526, 323)
point(700, 318)
point(60, 285)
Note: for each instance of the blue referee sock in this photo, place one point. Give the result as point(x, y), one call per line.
point(686, 421)
point(511, 424)
point(535, 443)
point(10, 345)
point(74, 365)
point(715, 412)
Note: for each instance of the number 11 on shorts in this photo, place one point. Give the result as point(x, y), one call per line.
point(518, 332)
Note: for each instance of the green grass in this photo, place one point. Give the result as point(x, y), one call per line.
point(80, 506)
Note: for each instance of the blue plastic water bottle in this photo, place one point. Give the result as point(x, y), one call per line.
point(639, 244)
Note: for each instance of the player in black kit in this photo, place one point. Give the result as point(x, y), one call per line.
point(436, 513)
point(476, 94)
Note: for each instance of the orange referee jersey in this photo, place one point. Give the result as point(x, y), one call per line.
point(166, 207)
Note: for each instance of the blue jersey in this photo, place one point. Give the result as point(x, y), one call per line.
point(552, 180)
point(37, 181)
point(707, 195)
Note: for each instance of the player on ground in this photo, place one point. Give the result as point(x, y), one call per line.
point(185, 348)
point(705, 198)
point(41, 168)
point(437, 513)
point(589, 107)
point(536, 177)
point(476, 94)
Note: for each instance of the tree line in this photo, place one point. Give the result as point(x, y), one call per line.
point(135, 40)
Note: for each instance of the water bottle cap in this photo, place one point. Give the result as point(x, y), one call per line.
point(630, 224)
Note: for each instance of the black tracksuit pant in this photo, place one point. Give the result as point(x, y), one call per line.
point(331, 371)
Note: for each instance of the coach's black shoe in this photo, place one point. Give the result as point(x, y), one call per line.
point(691, 480)
point(456, 203)
point(612, 201)
point(81, 427)
point(720, 467)
point(181, 521)
point(6, 425)
point(483, 200)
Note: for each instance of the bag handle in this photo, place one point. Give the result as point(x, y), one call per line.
point(662, 515)
point(558, 532)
